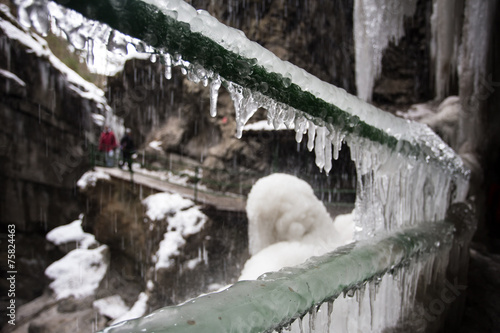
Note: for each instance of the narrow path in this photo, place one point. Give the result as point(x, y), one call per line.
point(227, 202)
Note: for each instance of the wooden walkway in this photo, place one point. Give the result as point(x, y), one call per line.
point(221, 201)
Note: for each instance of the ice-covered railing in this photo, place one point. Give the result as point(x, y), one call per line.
point(365, 287)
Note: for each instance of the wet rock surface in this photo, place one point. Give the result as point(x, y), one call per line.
point(483, 292)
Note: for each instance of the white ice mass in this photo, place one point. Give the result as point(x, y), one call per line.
point(287, 224)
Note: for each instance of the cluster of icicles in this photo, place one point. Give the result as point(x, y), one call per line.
point(394, 190)
point(82, 34)
point(386, 301)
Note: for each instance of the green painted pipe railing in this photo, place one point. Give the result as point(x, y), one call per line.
point(146, 22)
point(276, 299)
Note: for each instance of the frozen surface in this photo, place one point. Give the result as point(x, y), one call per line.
point(183, 218)
point(90, 178)
point(72, 232)
point(112, 307)
point(446, 25)
point(78, 273)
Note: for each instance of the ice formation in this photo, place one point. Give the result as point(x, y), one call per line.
point(376, 23)
point(160, 205)
point(446, 23)
point(287, 224)
point(283, 208)
point(38, 46)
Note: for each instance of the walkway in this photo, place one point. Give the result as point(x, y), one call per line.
point(227, 202)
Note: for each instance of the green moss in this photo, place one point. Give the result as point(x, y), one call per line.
point(59, 46)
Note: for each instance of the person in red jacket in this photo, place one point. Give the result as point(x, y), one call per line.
point(107, 145)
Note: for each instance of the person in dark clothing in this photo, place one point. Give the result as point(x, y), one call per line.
point(127, 148)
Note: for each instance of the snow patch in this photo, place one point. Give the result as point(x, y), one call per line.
point(90, 178)
point(156, 145)
point(112, 307)
point(78, 273)
point(138, 309)
point(180, 226)
point(163, 204)
point(12, 76)
point(71, 232)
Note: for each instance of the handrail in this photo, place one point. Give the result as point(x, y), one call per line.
point(259, 305)
point(327, 106)
point(96, 158)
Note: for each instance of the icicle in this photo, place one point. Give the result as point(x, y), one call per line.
point(329, 314)
point(214, 94)
point(168, 66)
point(328, 156)
point(311, 132)
point(289, 118)
point(376, 23)
point(90, 51)
point(300, 128)
point(319, 146)
point(244, 105)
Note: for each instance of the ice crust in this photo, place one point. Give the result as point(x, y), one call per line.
point(378, 280)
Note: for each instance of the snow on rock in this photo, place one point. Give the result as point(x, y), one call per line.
point(90, 178)
point(112, 307)
point(180, 226)
point(288, 225)
point(79, 272)
point(12, 76)
point(138, 309)
point(160, 205)
point(156, 145)
point(72, 232)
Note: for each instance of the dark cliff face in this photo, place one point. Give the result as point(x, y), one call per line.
point(43, 140)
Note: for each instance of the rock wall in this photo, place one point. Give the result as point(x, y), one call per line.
point(46, 124)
